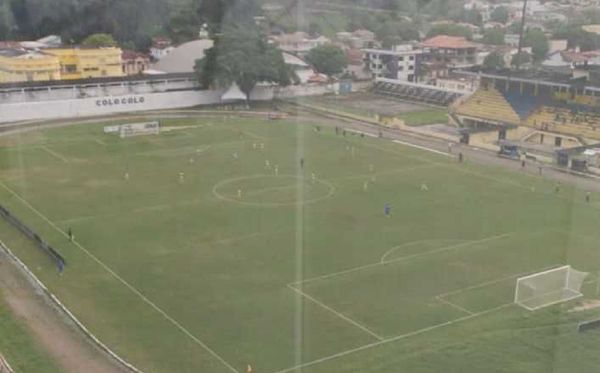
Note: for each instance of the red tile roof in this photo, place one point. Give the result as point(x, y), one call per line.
point(448, 42)
point(132, 55)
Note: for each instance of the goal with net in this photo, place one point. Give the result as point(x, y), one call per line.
point(139, 129)
point(549, 287)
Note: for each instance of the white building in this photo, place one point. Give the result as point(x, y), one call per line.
point(400, 63)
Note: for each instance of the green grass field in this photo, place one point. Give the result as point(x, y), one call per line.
point(187, 275)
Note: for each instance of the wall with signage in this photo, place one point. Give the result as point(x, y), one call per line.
point(132, 102)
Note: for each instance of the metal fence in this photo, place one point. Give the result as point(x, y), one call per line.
point(53, 254)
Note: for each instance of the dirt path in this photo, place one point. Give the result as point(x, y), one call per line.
point(69, 348)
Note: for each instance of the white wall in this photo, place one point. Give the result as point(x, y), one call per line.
point(132, 102)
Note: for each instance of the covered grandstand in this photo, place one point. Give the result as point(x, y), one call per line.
point(416, 92)
point(562, 106)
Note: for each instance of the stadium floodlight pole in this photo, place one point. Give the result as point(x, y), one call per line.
point(521, 35)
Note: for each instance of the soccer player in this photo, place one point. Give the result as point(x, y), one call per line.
point(366, 186)
point(181, 177)
point(249, 369)
point(461, 157)
point(276, 170)
point(313, 177)
point(126, 176)
point(424, 187)
point(301, 162)
point(449, 148)
point(267, 164)
point(588, 197)
point(239, 194)
point(70, 234)
point(557, 187)
point(387, 209)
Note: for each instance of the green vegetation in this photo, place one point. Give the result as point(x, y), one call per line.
point(99, 40)
point(494, 36)
point(328, 59)
point(494, 61)
point(450, 29)
point(19, 348)
point(243, 56)
point(424, 117)
point(434, 281)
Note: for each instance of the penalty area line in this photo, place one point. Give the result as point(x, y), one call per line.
point(124, 282)
point(54, 154)
point(336, 313)
point(393, 339)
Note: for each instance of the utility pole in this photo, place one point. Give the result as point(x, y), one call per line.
point(521, 35)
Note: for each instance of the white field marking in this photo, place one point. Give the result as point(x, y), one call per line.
point(487, 283)
point(338, 314)
point(137, 210)
point(270, 189)
point(124, 282)
point(98, 141)
point(403, 258)
point(402, 155)
point(453, 305)
point(383, 173)
point(395, 248)
point(422, 148)
point(299, 367)
point(54, 154)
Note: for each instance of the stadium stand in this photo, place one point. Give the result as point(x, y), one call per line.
point(489, 104)
point(548, 106)
point(416, 92)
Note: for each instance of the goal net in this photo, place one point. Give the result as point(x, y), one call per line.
point(139, 129)
point(549, 287)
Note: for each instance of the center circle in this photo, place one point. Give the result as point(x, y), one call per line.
point(272, 190)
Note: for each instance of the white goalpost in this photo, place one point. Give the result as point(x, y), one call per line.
point(139, 129)
point(549, 287)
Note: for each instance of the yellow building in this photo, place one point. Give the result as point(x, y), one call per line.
point(84, 63)
point(20, 66)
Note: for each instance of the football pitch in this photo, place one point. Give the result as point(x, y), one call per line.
point(229, 241)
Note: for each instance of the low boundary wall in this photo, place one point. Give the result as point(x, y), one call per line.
point(56, 302)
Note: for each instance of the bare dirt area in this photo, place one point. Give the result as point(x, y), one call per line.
point(367, 103)
point(69, 348)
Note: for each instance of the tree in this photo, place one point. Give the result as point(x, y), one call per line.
point(494, 61)
point(520, 59)
point(537, 40)
point(500, 14)
point(493, 36)
point(328, 59)
point(243, 57)
point(450, 29)
point(99, 40)
point(184, 26)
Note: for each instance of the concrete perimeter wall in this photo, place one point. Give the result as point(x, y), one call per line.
point(97, 103)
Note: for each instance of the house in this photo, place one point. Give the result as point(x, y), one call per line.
point(134, 63)
point(160, 48)
point(443, 53)
point(299, 43)
point(572, 59)
point(400, 63)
